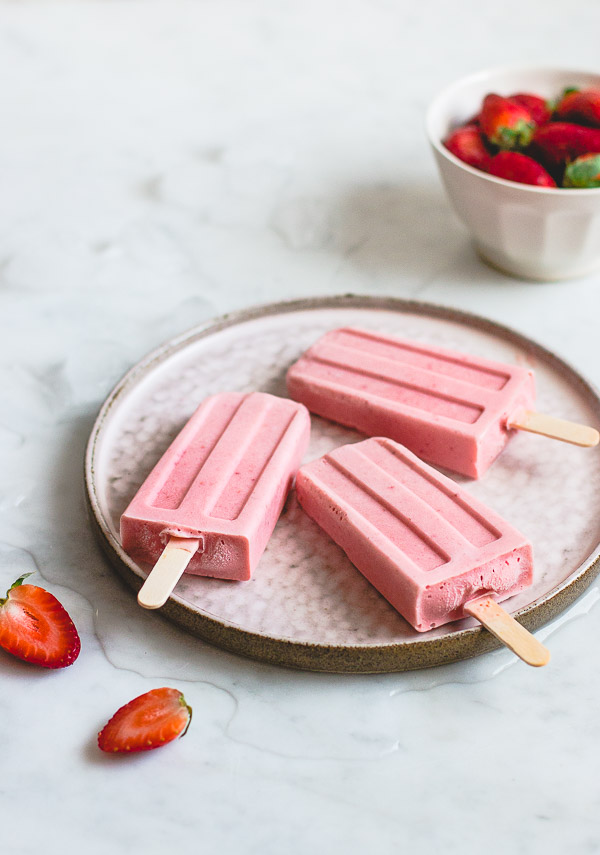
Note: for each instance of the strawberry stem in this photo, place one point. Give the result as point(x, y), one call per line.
point(20, 580)
point(15, 584)
point(183, 703)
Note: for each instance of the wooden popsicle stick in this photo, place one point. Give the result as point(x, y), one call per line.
point(555, 428)
point(512, 634)
point(167, 571)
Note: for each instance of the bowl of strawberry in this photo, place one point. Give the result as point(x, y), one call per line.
point(518, 151)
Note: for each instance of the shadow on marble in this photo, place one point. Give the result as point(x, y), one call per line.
point(72, 555)
point(388, 226)
point(95, 757)
point(11, 666)
point(406, 228)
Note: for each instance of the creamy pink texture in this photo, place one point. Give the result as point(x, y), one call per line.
point(223, 480)
point(422, 541)
point(449, 408)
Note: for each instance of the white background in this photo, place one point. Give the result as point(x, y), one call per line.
point(163, 162)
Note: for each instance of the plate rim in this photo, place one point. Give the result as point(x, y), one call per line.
point(316, 656)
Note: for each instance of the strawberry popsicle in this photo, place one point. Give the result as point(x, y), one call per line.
point(454, 410)
point(218, 490)
point(427, 545)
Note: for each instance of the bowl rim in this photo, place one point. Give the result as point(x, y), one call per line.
point(491, 72)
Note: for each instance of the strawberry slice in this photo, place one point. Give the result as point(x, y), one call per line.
point(147, 722)
point(35, 627)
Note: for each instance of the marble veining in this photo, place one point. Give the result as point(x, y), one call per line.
point(163, 162)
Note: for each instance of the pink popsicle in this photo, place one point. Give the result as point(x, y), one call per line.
point(427, 545)
point(451, 409)
point(219, 488)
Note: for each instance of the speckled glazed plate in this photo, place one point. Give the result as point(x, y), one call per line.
point(307, 606)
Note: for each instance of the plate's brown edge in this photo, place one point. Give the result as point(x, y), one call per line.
point(341, 659)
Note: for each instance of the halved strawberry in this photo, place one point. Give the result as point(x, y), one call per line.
point(35, 627)
point(146, 722)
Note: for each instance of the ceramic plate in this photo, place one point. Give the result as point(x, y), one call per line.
point(307, 606)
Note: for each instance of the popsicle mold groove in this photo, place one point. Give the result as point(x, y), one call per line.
point(397, 533)
point(411, 354)
point(467, 521)
point(451, 409)
point(393, 523)
point(191, 450)
point(225, 478)
point(413, 394)
point(244, 475)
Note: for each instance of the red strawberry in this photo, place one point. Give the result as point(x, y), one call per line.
point(583, 172)
point(35, 627)
point(467, 144)
point(518, 167)
point(146, 722)
point(538, 108)
point(558, 142)
point(505, 123)
point(580, 105)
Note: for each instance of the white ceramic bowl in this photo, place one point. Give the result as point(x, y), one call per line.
point(532, 232)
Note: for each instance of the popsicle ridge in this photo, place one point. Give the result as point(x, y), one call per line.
point(475, 371)
point(434, 516)
point(428, 550)
point(444, 498)
point(375, 495)
point(243, 452)
point(451, 409)
point(392, 362)
point(389, 381)
point(237, 461)
point(191, 449)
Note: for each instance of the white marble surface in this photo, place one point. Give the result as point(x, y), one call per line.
point(163, 162)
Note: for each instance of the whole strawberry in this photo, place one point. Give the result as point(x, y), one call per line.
point(514, 166)
point(148, 721)
point(467, 144)
point(580, 106)
point(584, 171)
point(558, 142)
point(35, 627)
point(539, 109)
point(505, 123)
